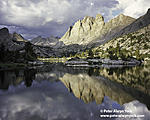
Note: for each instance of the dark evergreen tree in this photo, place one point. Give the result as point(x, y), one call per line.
point(2, 53)
point(90, 53)
point(29, 52)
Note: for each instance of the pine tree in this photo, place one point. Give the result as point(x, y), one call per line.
point(90, 53)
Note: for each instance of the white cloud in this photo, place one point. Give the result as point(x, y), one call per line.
point(49, 17)
point(53, 17)
point(34, 14)
point(134, 8)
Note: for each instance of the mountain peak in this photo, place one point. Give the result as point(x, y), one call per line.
point(99, 17)
point(87, 19)
point(137, 24)
point(4, 31)
point(121, 15)
point(89, 29)
point(122, 19)
point(148, 12)
point(18, 37)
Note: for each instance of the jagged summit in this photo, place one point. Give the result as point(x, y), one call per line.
point(87, 18)
point(47, 42)
point(148, 12)
point(99, 19)
point(18, 38)
point(89, 29)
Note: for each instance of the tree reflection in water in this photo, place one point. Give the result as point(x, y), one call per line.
point(47, 96)
point(89, 84)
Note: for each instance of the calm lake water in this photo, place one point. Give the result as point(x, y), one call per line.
point(57, 92)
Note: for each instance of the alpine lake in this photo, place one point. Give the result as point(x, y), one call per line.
point(54, 91)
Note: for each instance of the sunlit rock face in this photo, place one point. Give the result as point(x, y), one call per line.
point(18, 38)
point(89, 29)
point(90, 88)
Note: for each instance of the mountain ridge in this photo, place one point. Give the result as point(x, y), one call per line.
point(89, 29)
point(139, 23)
point(47, 42)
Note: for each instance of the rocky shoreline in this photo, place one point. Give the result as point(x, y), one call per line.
point(104, 62)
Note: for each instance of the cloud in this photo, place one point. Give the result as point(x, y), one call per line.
point(134, 8)
point(43, 101)
point(33, 14)
point(26, 33)
point(53, 17)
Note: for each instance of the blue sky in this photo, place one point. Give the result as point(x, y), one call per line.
point(53, 17)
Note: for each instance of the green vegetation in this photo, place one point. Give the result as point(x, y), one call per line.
point(8, 56)
point(90, 53)
point(8, 66)
point(18, 56)
point(29, 53)
point(132, 45)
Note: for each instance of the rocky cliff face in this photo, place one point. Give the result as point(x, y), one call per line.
point(47, 42)
point(135, 44)
point(14, 48)
point(9, 40)
point(89, 29)
point(141, 22)
point(4, 33)
point(18, 38)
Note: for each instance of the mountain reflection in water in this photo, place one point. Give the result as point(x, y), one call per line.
point(47, 98)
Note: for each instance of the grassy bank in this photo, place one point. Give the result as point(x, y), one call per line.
point(7, 66)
